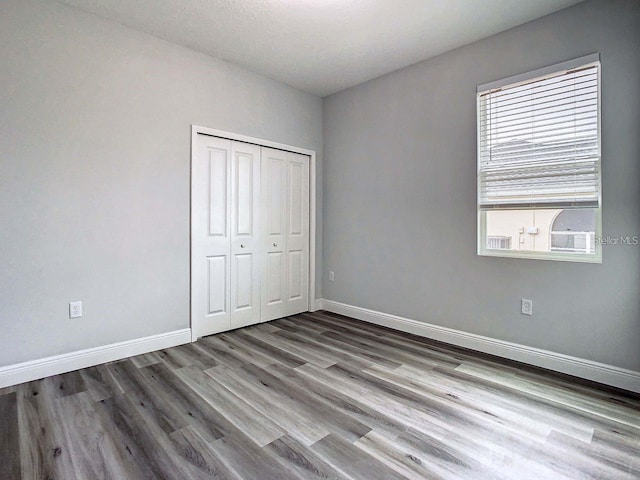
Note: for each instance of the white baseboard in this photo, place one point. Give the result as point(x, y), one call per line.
point(44, 367)
point(317, 305)
point(579, 367)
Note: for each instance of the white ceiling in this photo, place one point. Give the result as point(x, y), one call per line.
point(322, 46)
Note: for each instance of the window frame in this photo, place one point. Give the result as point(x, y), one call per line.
point(522, 78)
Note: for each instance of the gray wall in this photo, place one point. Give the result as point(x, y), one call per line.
point(400, 194)
point(94, 172)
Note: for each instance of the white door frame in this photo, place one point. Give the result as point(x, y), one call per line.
point(195, 130)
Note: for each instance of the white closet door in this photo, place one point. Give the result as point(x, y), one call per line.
point(211, 235)
point(245, 234)
point(297, 234)
point(274, 217)
point(250, 234)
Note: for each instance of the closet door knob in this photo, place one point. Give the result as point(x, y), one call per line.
point(275, 244)
point(242, 245)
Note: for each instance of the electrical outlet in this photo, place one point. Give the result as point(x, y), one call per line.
point(332, 276)
point(75, 309)
point(527, 307)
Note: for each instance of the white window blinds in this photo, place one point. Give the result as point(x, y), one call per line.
point(538, 144)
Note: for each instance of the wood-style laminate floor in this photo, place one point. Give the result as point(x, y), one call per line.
point(316, 396)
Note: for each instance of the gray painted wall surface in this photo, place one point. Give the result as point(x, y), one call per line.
point(400, 194)
point(94, 172)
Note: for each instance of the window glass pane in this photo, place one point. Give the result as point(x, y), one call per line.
point(574, 231)
point(541, 230)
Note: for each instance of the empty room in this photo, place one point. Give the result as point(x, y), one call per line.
point(319, 239)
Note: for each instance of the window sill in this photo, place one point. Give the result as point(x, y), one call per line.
point(558, 257)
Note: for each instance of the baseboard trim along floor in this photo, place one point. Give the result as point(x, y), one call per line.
point(45, 367)
point(579, 367)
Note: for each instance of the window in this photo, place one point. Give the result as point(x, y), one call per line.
point(539, 192)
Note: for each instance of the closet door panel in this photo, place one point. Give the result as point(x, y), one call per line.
point(211, 239)
point(217, 284)
point(245, 234)
point(274, 214)
point(243, 281)
point(297, 230)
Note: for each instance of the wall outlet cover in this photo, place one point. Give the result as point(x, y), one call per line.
point(75, 309)
point(526, 307)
